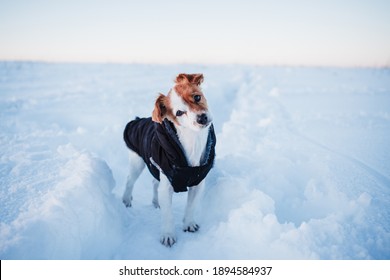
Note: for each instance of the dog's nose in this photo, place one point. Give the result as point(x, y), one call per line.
point(202, 119)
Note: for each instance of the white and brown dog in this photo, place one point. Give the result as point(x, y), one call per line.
point(177, 144)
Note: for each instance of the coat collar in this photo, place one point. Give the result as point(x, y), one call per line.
point(167, 134)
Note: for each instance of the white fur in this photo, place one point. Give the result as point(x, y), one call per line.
point(137, 164)
point(193, 142)
point(193, 138)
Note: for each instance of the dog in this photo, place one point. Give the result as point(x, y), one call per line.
point(177, 144)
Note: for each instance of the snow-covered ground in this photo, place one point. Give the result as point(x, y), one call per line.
point(302, 168)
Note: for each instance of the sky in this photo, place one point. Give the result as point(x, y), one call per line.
point(262, 32)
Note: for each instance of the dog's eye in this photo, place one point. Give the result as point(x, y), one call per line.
point(179, 113)
point(197, 98)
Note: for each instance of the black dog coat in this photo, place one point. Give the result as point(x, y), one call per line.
point(161, 149)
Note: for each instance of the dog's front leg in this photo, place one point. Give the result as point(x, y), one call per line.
point(165, 192)
point(194, 193)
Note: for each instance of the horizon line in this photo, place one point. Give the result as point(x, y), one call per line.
point(293, 65)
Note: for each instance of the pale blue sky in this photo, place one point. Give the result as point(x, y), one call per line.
point(282, 32)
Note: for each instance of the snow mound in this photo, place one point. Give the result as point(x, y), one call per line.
point(72, 219)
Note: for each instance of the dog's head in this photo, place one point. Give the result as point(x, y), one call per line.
point(185, 104)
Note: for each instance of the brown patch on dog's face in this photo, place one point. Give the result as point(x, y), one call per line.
point(188, 88)
point(162, 109)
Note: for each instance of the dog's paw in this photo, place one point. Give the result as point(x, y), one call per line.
point(127, 201)
point(191, 227)
point(156, 204)
point(168, 240)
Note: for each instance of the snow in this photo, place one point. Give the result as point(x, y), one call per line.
point(302, 168)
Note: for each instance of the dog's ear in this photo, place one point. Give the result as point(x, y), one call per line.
point(181, 78)
point(159, 109)
point(196, 79)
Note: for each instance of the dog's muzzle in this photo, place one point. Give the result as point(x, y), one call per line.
point(202, 119)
